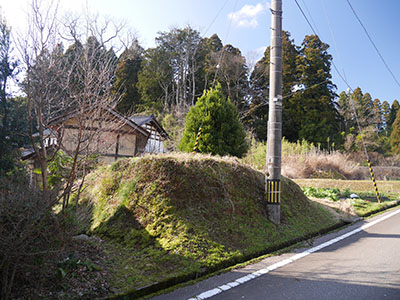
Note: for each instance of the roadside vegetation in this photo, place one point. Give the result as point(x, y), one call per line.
point(183, 216)
point(362, 202)
point(303, 159)
point(166, 219)
point(149, 222)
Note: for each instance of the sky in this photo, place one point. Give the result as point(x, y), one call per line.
point(246, 25)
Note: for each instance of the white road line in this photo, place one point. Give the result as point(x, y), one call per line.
point(256, 274)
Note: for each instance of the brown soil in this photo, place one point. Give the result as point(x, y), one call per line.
point(341, 209)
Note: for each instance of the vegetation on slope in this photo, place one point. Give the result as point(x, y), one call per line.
point(362, 203)
point(175, 215)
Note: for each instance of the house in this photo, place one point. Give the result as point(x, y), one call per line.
point(103, 131)
point(157, 133)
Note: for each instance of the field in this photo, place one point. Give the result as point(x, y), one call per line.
point(353, 185)
point(356, 198)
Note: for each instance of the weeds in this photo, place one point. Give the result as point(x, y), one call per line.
point(71, 263)
point(29, 231)
point(305, 160)
point(333, 194)
point(184, 214)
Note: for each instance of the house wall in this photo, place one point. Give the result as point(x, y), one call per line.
point(127, 144)
point(141, 142)
point(111, 141)
point(155, 142)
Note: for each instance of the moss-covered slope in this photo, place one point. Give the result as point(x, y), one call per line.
point(173, 215)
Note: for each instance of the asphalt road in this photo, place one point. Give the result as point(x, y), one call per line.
point(365, 265)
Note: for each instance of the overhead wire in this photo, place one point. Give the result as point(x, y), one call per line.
point(284, 97)
point(305, 17)
point(215, 18)
point(353, 106)
point(333, 37)
point(373, 43)
point(312, 20)
point(199, 132)
point(344, 75)
point(222, 50)
point(315, 32)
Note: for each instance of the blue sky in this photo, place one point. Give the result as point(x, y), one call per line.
point(245, 24)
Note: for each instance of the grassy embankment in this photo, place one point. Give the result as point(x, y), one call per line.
point(172, 218)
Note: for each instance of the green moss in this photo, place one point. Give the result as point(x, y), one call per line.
point(171, 216)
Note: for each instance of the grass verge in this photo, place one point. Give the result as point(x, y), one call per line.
point(168, 219)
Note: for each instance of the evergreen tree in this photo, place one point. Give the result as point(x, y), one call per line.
point(318, 115)
point(347, 113)
point(10, 117)
point(377, 115)
point(385, 117)
point(126, 78)
point(7, 70)
point(309, 108)
point(256, 118)
point(365, 111)
point(395, 135)
point(213, 45)
point(385, 112)
point(155, 81)
point(222, 132)
point(393, 112)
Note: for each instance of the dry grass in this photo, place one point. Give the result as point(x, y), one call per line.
point(319, 164)
point(304, 160)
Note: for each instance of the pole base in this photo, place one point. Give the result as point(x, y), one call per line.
point(274, 213)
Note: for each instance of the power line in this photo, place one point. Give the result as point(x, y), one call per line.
point(333, 37)
point(353, 106)
point(284, 97)
point(223, 48)
point(373, 44)
point(313, 30)
point(215, 18)
point(312, 20)
point(305, 17)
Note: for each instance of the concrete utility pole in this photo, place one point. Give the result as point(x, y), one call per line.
point(274, 135)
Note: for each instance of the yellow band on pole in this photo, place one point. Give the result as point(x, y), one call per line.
point(273, 191)
point(196, 144)
point(378, 196)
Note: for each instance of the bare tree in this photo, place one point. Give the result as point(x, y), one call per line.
point(76, 82)
point(37, 49)
point(232, 72)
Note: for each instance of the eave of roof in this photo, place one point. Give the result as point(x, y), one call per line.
point(141, 120)
point(111, 110)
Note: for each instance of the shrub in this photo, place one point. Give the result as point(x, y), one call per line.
point(28, 230)
point(222, 132)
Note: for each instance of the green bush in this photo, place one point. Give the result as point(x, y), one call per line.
point(222, 132)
